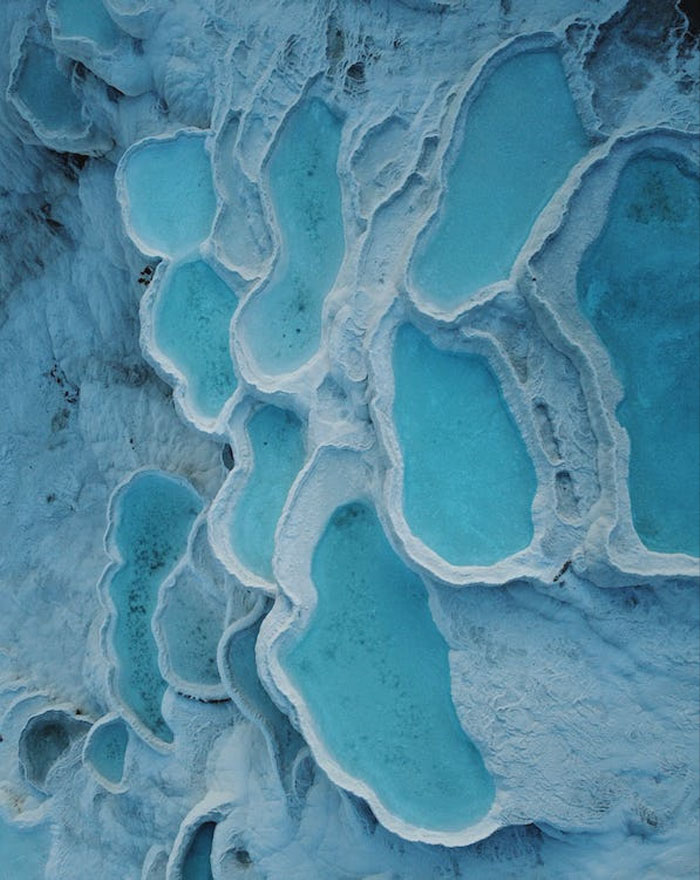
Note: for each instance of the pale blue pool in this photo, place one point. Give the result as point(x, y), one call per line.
point(282, 326)
point(154, 516)
point(46, 91)
point(277, 439)
point(373, 671)
point(170, 193)
point(253, 697)
point(192, 624)
point(24, 852)
point(521, 136)
point(87, 18)
point(191, 327)
point(106, 749)
point(469, 482)
point(639, 286)
point(197, 862)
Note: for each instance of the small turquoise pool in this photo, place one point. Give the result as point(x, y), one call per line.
point(46, 91)
point(170, 193)
point(197, 862)
point(639, 286)
point(373, 671)
point(191, 327)
point(106, 748)
point(153, 519)
point(277, 440)
point(87, 18)
point(282, 325)
point(469, 482)
point(521, 136)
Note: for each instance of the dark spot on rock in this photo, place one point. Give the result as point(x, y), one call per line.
point(227, 456)
point(565, 567)
point(50, 498)
point(114, 94)
point(356, 72)
point(59, 420)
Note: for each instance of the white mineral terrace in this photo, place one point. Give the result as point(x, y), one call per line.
point(292, 275)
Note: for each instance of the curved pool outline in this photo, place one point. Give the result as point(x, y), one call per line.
point(337, 474)
point(241, 699)
point(229, 494)
point(106, 721)
point(215, 808)
point(529, 562)
point(298, 379)
point(104, 60)
point(107, 628)
point(164, 366)
point(86, 139)
point(450, 141)
point(122, 192)
point(612, 541)
point(193, 690)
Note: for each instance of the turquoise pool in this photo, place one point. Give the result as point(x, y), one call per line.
point(46, 91)
point(277, 440)
point(153, 519)
point(639, 286)
point(373, 670)
point(282, 325)
point(106, 748)
point(521, 136)
point(469, 482)
point(191, 327)
point(197, 862)
point(170, 193)
point(87, 18)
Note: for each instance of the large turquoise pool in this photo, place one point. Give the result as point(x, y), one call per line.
point(469, 482)
point(153, 519)
point(639, 286)
point(520, 138)
point(373, 671)
point(282, 325)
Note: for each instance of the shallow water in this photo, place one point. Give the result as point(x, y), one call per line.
point(639, 286)
point(197, 863)
point(254, 699)
point(277, 439)
point(161, 177)
point(154, 517)
point(106, 750)
point(87, 18)
point(520, 138)
point(46, 91)
point(282, 326)
point(469, 482)
point(191, 327)
point(192, 624)
point(373, 671)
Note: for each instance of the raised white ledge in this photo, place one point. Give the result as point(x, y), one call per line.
point(335, 476)
point(110, 612)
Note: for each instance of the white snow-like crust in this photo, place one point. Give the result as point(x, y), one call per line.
point(579, 689)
